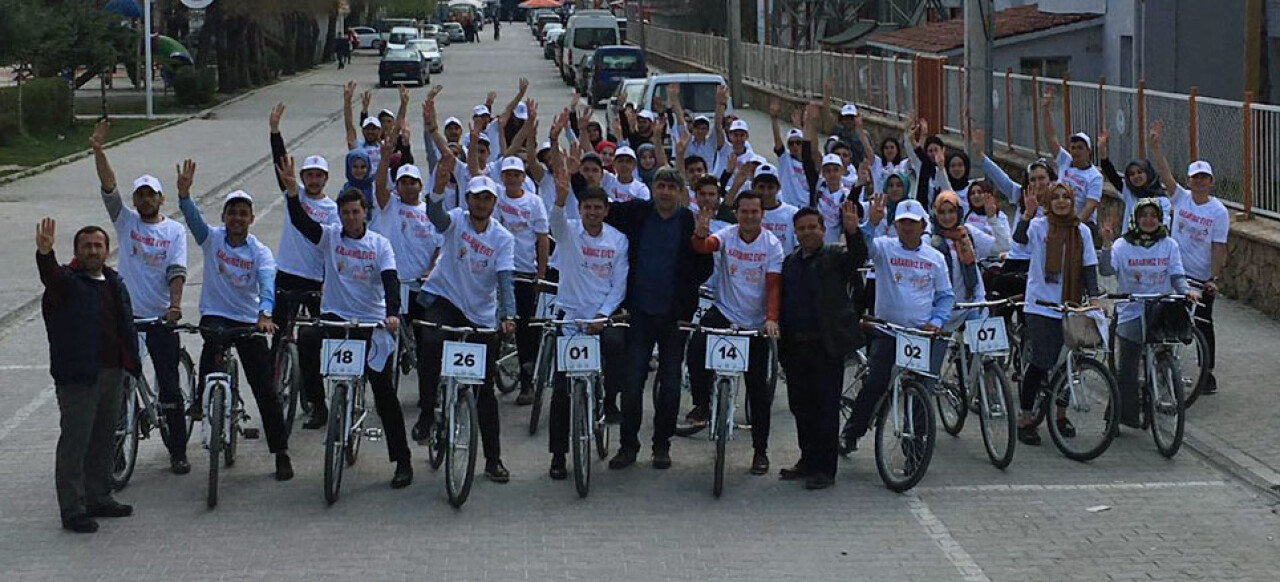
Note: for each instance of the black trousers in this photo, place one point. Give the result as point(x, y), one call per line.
point(286, 310)
point(163, 346)
point(526, 337)
point(1205, 311)
point(645, 332)
point(613, 353)
point(256, 359)
point(384, 389)
point(430, 350)
point(880, 359)
point(86, 442)
point(759, 393)
point(815, 381)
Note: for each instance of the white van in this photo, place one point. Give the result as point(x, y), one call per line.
point(587, 30)
point(401, 35)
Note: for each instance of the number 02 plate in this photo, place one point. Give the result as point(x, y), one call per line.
point(464, 362)
point(913, 353)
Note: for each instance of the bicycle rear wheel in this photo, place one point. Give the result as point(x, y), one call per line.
point(288, 382)
point(722, 423)
point(508, 372)
point(855, 368)
point(438, 439)
point(951, 396)
point(1166, 408)
point(126, 436)
point(602, 427)
point(1091, 401)
point(1193, 361)
point(998, 420)
point(579, 434)
point(334, 454)
point(188, 383)
point(905, 433)
point(543, 367)
point(460, 457)
point(216, 415)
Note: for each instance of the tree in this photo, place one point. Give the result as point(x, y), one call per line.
point(72, 34)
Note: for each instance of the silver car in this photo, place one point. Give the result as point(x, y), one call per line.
point(430, 52)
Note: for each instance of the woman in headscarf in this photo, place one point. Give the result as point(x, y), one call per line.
point(360, 175)
point(962, 246)
point(646, 163)
point(985, 215)
point(1145, 260)
point(1064, 269)
point(605, 150)
point(954, 178)
point(1139, 181)
point(1039, 174)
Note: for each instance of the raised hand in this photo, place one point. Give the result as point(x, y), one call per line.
point(673, 93)
point(348, 92)
point(849, 216)
point(365, 98)
point(491, 97)
point(940, 159)
point(435, 91)
point(1157, 130)
point(702, 223)
point(1108, 228)
point(775, 107)
point(277, 112)
point(186, 177)
point(1046, 100)
point(1103, 136)
point(429, 114)
point(46, 234)
point(682, 144)
point(524, 85)
point(404, 95)
point(533, 111)
point(448, 163)
point(99, 135)
point(387, 147)
point(978, 142)
point(797, 118)
point(722, 96)
point(812, 111)
point(876, 212)
point(573, 161)
point(284, 171)
point(1030, 201)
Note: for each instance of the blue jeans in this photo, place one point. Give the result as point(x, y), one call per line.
point(645, 332)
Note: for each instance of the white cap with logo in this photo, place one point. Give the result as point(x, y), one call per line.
point(1084, 137)
point(315, 163)
point(849, 109)
point(371, 121)
point(238, 195)
point(833, 160)
point(522, 111)
point(624, 151)
point(482, 184)
point(795, 134)
point(1199, 167)
point(512, 163)
point(409, 170)
point(909, 210)
point(479, 110)
point(647, 114)
point(148, 181)
point(766, 169)
point(453, 121)
point(702, 119)
point(738, 125)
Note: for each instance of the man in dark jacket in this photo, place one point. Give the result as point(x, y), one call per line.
point(89, 320)
point(821, 309)
point(662, 289)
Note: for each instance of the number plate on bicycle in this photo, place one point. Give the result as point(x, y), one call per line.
point(727, 353)
point(464, 362)
point(578, 354)
point(342, 357)
point(913, 353)
point(546, 306)
point(986, 336)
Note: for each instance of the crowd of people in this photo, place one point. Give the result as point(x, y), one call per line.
point(624, 224)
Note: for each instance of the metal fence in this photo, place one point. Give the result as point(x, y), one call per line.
point(1243, 148)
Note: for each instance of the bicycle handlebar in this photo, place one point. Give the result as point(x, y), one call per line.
point(456, 329)
point(686, 326)
point(993, 303)
point(615, 321)
point(1148, 297)
point(224, 332)
point(1065, 308)
point(545, 284)
point(342, 324)
point(893, 327)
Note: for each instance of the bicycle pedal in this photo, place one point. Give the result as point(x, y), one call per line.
point(249, 433)
point(373, 434)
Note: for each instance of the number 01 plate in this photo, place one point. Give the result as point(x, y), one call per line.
point(578, 354)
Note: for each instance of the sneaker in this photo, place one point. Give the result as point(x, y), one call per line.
point(319, 418)
point(179, 465)
point(698, 415)
point(525, 398)
point(80, 524)
point(819, 481)
point(661, 458)
point(403, 476)
point(760, 463)
point(1029, 435)
point(284, 467)
point(110, 509)
point(624, 458)
point(1066, 429)
point(559, 470)
point(496, 472)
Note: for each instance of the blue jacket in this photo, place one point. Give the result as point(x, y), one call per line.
point(70, 307)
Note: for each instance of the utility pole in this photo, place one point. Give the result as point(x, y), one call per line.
point(735, 48)
point(979, 29)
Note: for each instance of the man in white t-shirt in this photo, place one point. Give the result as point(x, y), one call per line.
point(778, 215)
point(525, 217)
point(471, 285)
point(153, 265)
point(831, 192)
point(1075, 166)
point(592, 258)
point(238, 294)
point(790, 169)
point(1200, 225)
point(748, 286)
point(361, 284)
point(625, 186)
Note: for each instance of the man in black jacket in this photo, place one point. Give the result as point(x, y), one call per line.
point(89, 320)
point(662, 289)
point(821, 309)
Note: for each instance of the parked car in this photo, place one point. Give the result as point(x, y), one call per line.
point(549, 47)
point(629, 92)
point(587, 31)
point(581, 74)
point(386, 25)
point(403, 65)
point(609, 66)
point(548, 29)
point(366, 37)
point(456, 34)
point(430, 51)
point(435, 32)
point(543, 21)
point(400, 36)
point(697, 92)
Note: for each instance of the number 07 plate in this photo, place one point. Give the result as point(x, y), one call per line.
point(986, 336)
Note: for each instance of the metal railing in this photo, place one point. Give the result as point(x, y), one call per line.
point(1216, 130)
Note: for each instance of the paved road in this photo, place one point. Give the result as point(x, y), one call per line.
point(1179, 519)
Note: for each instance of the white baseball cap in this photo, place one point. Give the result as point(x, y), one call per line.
point(909, 210)
point(513, 163)
point(849, 109)
point(738, 125)
point(484, 139)
point(148, 181)
point(1082, 136)
point(833, 160)
point(522, 110)
point(409, 170)
point(315, 163)
point(371, 121)
point(238, 195)
point(546, 145)
point(1199, 167)
point(453, 121)
point(481, 184)
point(646, 114)
point(766, 169)
point(624, 151)
point(702, 119)
point(795, 134)
point(480, 110)
point(387, 112)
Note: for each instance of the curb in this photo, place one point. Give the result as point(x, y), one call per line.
point(42, 168)
point(1224, 456)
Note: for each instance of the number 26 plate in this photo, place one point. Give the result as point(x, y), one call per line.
point(464, 362)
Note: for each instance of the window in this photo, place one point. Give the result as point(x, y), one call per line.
point(1055, 67)
point(617, 61)
point(693, 96)
point(591, 38)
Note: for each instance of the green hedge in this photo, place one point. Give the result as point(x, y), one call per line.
point(46, 105)
point(195, 87)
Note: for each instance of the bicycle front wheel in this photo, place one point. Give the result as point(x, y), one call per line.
point(953, 403)
point(354, 410)
point(126, 436)
point(1091, 402)
point(1193, 361)
point(602, 427)
point(233, 434)
point(723, 425)
point(288, 382)
point(460, 456)
point(580, 434)
point(541, 379)
point(334, 452)
point(905, 433)
point(187, 384)
point(855, 368)
point(1166, 408)
point(998, 420)
point(215, 417)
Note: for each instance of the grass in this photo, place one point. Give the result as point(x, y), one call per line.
point(45, 146)
point(136, 103)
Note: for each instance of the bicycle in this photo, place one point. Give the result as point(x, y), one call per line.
point(406, 343)
point(342, 363)
point(1192, 367)
point(456, 431)
point(544, 361)
point(286, 375)
point(1079, 384)
point(141, 411)
point(972, 360)
point(728, 353)
point(904, 418)
point(706, 299)
point(579, 357)
point(223, 423)
point(1164, 406)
